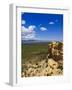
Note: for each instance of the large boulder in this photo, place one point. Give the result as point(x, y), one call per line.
point(55, 50)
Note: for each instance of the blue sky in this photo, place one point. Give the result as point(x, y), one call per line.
point(41, 26)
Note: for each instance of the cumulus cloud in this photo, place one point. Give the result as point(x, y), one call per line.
point(28, 33)
point(23, 22)
point(28, 36)
point(31, 27)
point(43, 28)
point(51, 22)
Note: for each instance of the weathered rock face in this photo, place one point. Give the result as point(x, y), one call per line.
point(55, 50)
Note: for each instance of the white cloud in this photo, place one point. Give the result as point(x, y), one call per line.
point(51, 22)
point(28, 33)
point(31, 27)
point(29, 36)
point(23, 22)
point(43, 28)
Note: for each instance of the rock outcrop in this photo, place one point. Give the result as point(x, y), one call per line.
point(55, 50)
